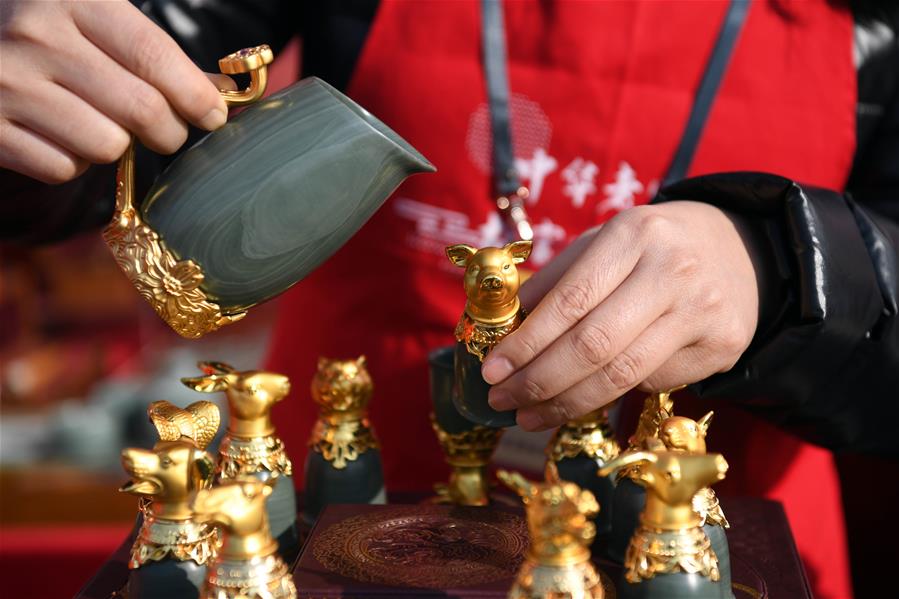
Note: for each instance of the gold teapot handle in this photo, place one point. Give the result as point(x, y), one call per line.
point(254, 61)
point(171, 285)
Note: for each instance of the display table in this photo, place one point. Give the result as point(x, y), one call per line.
point(764, 559)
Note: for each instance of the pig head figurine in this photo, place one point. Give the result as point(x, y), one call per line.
point(491, 279)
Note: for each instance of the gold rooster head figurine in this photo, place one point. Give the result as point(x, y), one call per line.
point(198, 422)
point(342, 385)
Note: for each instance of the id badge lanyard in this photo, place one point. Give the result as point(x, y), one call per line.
point(510, 194)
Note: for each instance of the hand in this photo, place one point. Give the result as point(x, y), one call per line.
point(657, 297)
point(78, 76)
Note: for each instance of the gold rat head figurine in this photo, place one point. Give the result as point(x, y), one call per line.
point(559, 517)
point(168, 474)
point(679, 433)
point(199, 421)
point(491, 279)
point(342, 385)
point(251, 395)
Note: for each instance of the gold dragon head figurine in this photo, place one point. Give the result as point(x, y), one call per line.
point(559, 516)
point(251, 395)
point(342, 385)
point(491, 279)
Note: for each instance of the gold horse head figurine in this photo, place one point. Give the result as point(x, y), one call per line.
point(251, 395)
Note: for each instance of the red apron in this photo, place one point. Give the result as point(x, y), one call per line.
point(600, 95)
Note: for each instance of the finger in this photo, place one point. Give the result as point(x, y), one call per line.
point(116, 92)
point(143, 48)
point(589, 345)
point(62, 117)
point(688, 365)
point(533, 290)
point(641, 358)
point(222, 81)
point(35, 156)
point(598, 271)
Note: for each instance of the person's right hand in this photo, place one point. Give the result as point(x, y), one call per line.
point(77, 77)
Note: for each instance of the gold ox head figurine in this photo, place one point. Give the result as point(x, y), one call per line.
point(671, 480)
point(251, 395)
point(168, 474)
point(559, 517)
point(342, 385)
point(491, 279)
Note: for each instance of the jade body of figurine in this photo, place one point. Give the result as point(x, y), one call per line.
point(172, 548)
point(247, 565)
point(557, 563)
point(466, 446)
point(579, 448)
point(669, 555)
point(344, 461)
point(259, 203)
point(492, 311)
point(250, 445)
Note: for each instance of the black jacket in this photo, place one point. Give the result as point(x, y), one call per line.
point(826, 355)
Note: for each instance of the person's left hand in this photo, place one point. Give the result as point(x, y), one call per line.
point(657, 297)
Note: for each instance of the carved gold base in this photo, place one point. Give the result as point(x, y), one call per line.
point(652, 552)
point(340, 439)
point(468, 453)
point(180, 540)
point(535, 581)
point(262, 577)
point(590, 436)
point(241, 457)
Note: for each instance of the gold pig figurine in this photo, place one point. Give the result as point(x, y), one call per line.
point(492, 311)
point(559, 515)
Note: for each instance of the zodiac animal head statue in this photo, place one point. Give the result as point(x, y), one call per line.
point(342, 385)
point(251, 395)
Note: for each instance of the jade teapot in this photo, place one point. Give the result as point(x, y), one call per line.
point(258, 204)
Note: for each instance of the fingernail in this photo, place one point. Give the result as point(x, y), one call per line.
point(495, 369)
point(529, 421)
point(214, 119)
point(500, 400)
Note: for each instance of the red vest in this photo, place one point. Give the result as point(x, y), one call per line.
point(600, 95)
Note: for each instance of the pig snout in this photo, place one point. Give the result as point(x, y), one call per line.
point(492, 282)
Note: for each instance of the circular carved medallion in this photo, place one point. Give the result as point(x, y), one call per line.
point(431, 547)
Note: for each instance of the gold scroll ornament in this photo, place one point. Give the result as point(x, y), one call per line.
point(171, 285)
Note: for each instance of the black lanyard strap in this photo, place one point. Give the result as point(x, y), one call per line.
point(506, 181)
point(708, 89)
point(510, 193)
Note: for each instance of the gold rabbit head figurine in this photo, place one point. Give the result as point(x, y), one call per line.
point(251, 395)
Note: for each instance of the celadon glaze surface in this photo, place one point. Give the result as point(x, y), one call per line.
point(261, 202)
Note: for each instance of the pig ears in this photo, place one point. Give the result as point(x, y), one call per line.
point(208, 384)
point(519, 250)
point(460, 254)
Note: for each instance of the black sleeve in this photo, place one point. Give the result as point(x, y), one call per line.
point(825, 360)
